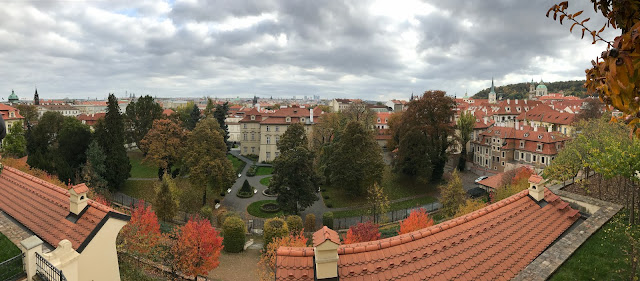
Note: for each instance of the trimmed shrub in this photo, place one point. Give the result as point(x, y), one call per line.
point(310, 223)
point(234, 234)
point(274, 228)
point(270, 208)
point(206, 212)
point(223, 214)
point(252, 171)
point(295, 224)
point(327, 219)
point(246, 191)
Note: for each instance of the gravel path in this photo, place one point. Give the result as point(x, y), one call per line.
point(237, 267)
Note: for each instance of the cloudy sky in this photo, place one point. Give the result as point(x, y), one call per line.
point(226, 48)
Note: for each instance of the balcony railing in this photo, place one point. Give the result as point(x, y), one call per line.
point(47, 271)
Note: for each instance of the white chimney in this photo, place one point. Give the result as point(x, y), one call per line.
point(516, 101)
point(325, 246)
point(311, 115)
point(535, 128)
point(550, 129)
point(78, 198)
point(536, 187)
point(516, 126)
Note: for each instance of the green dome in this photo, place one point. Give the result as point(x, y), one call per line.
point(541, 87)
point(13, 96)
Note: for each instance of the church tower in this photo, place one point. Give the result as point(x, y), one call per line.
point(492, 93)
point(36, 98)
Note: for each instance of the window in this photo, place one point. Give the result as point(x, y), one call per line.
point(268, 155)
point(288, 119)
point(486, 162)
point(535, 158)
point(277, 140)
point(245, 126)
point(495, 167)
point(253, 117)
point(301, 119)
point(521, 144)
point(268, 141)
point(542, 159)
point(253, 136)
point(253, 150)
point(244, 136)
point(478, 149)
point(521, 155)
point(504, 154)
point(539, 147)
point(379, 120)
point(277, 128)
point(245, 149)
point(386, 120)
point(502, 163)
point(277, 154)
point(268, 128)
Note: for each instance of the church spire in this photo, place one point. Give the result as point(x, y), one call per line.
point(493, 90)
point(36, 98)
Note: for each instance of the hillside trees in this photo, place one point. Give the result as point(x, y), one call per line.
point(140, 116)
point(205, 157)
point(294, 178)
point(109, 132)
point(425, 133)
point(465, 125)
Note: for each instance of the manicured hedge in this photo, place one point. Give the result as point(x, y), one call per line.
point(234, 230)
point(274, 228)
point(327, 219)
point(310, 223)
point(295, 224)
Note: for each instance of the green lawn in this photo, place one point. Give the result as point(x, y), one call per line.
point(266, 181)
point(254, 210)
point(143, 189)
point(395, 187)
point(264, 171)
point(603, 255)
point(140, 169)
point(9, 250)
point(238, 165)
point(392, 207)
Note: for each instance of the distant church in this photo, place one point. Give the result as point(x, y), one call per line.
point(537, 91)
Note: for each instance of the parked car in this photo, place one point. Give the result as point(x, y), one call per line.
point(481, 178)
point(476, 192)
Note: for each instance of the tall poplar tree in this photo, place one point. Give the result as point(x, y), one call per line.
point(466, 122)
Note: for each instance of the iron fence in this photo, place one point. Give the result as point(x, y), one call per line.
point(47, 271)
point(13, 268)
point(393, 216)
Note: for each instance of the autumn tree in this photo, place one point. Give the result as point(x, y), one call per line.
point(166, 203)
point(140, 116)
point(469, 206)
point(206, 158)
point(359, 111)
point(324, 136)
point(362, 232)
point(417, 219)
point(164, 143)
point(465, 126)
point(452, 195)
point(592, 109)
point(267, 263)
point(109, 132)
point(426, 132)
point(395, 127)
point(294, 178)
point(15, 144)
point(356, 163)
point(378, 202)
point(613, 76)
point(197, 248)
point(142, 233)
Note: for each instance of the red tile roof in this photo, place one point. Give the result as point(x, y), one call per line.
point(325, 234)
point(43, 208)
point(493, 243)
point(545, 113)
point(492, 181)
point(535, 179)
point(80, 188)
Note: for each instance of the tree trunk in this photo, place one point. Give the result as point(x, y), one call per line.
point(462, 162)
point(204, 196)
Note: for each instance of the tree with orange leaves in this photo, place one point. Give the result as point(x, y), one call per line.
point(197, 247)
point(362, 232)
point(142, 232)
point(267, 263)
point(417, 219)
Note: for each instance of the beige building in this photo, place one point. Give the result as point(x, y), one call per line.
point(10, 115)
point(82, 231)
point(64, 109)
point(261, 132)
point(233, 125)
point(338, 105)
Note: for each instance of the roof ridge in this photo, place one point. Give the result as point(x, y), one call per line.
point(37, 180)
point(421, 233)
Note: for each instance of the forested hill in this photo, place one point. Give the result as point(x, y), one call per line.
point(520, 90)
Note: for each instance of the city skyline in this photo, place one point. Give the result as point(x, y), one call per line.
point(374, 50)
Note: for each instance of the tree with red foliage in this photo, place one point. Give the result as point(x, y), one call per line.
point(197, 247)
point(522, 173)
point(142, 233)
point(267, 263)
point(362, 232)
point(417, 219)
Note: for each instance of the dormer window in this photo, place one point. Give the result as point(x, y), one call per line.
point(288, 119)
point(12, 114)
point(253, 117)
point(518, 109)
point(539, 148)
point(301, 119)
point(539, 137)
point(521, 144)
point(379, 120)
point(526, 135)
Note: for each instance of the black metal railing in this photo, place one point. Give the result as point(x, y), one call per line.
point(13, 268)
point(47, 271)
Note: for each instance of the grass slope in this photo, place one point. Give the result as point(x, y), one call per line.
point(140, 169)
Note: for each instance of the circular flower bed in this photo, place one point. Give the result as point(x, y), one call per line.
point(267, 192)
point(270, 208)
point(243, 194)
